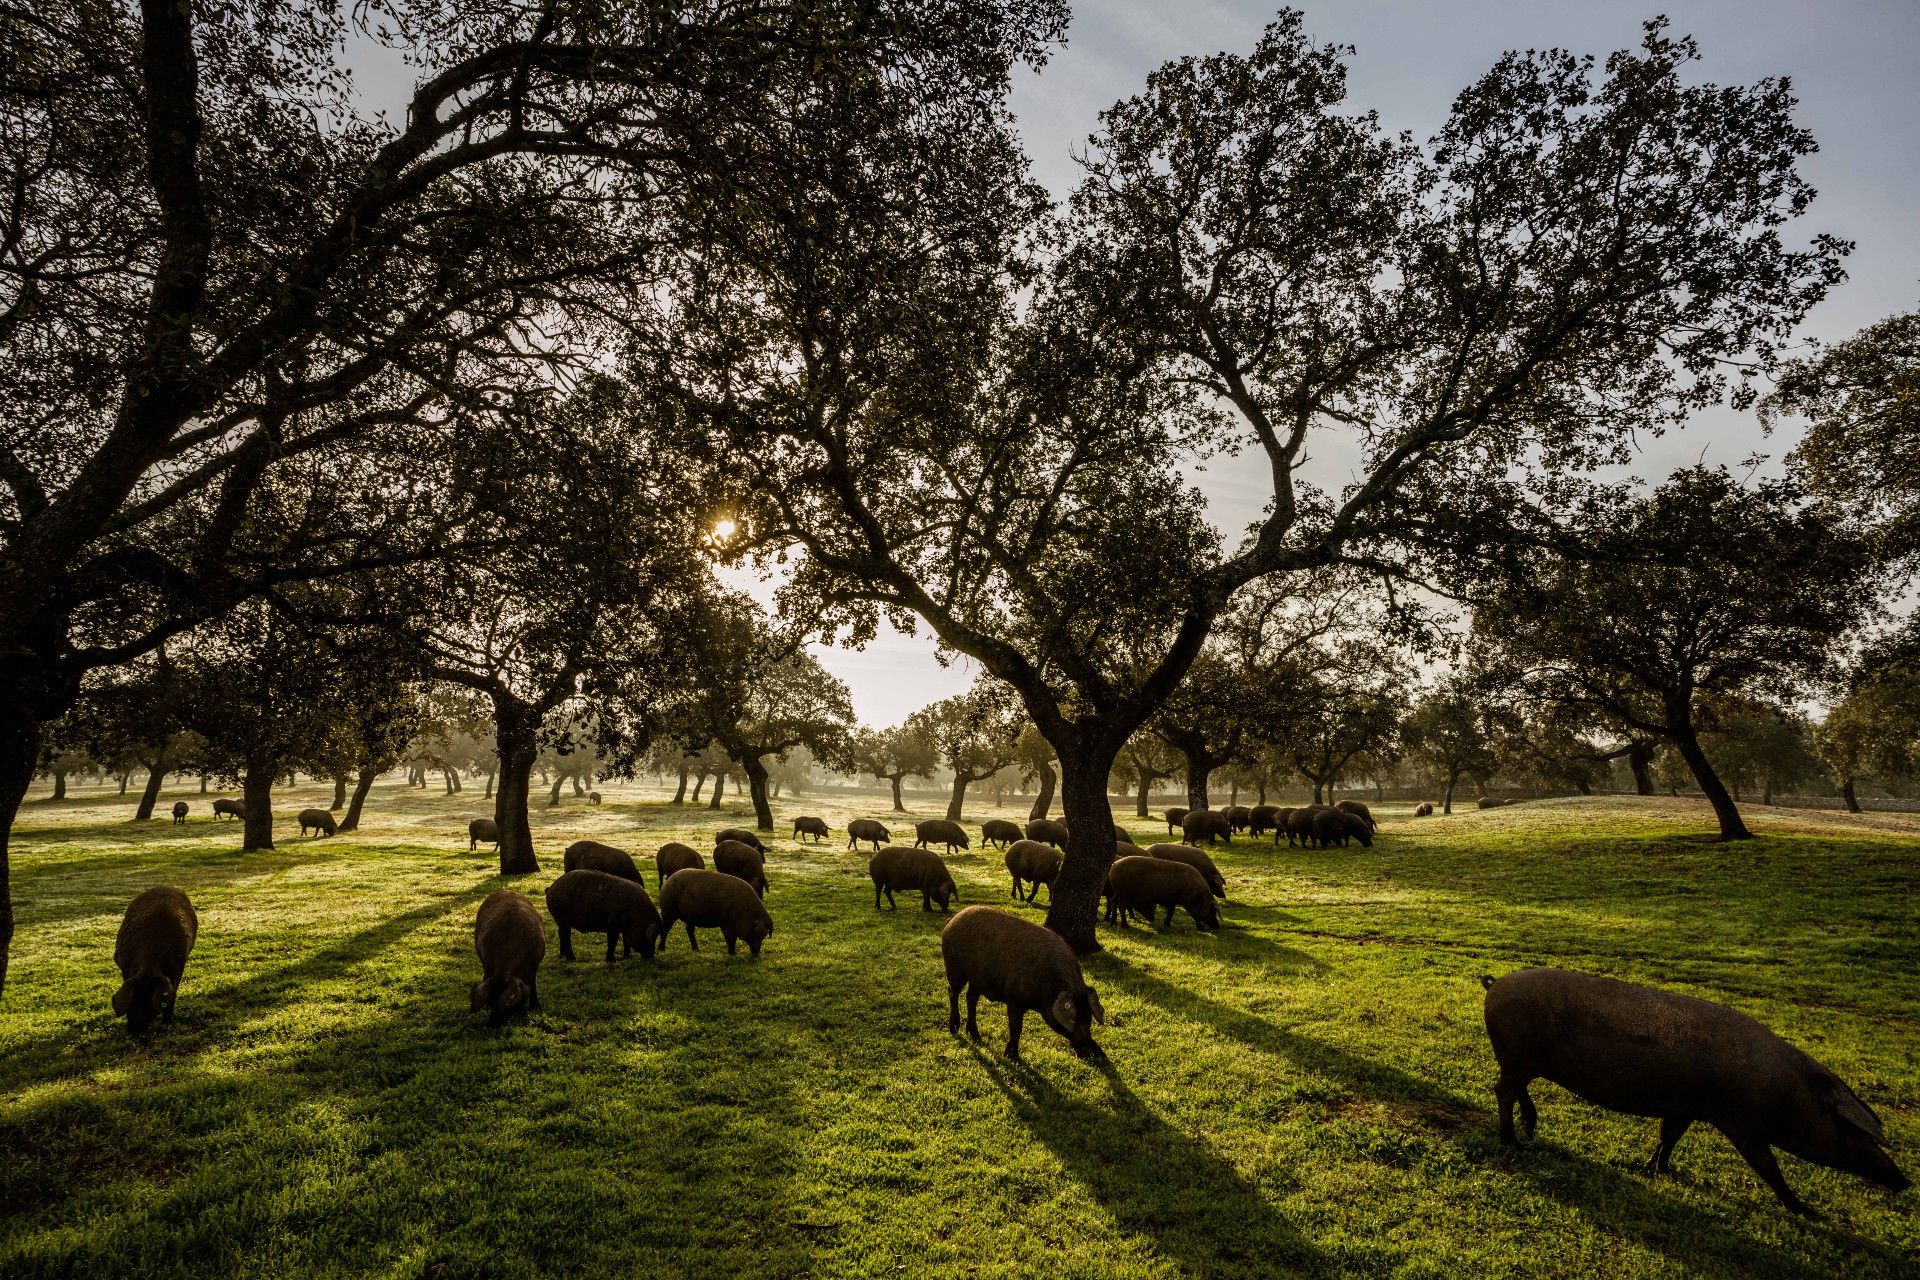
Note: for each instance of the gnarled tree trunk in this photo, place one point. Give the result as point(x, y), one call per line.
point(958, 798)
point(1732, 826)
point(1090, 848)
point(680, 796)
point(757, 790)
point(19, 752)
point(361, 788)
point(156, 776)
point(256, 795)
point(898, 805)
point(515, 727)
point(1640, 760)
point(719, 787)
point(1847, 793)
point(1044, 801)
point(339, 792)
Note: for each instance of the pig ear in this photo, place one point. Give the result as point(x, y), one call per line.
point(1099, 1010)
point(1848, 1107)
point(1063, 1010)
point(123, 1000)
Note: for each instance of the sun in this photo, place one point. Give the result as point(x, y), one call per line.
point(723, 529)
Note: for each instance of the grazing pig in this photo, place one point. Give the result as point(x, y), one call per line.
point(1034, 863)
point(1206, 824)
point(713, 900)
point(318, 819)
point(1423, 810)
point(1358, 810)
point(1139, 885)
point(898, 867)
point(511, 942)
point(815, 827)
point(740, 836)
point(156, 937)
point(1489, 802)
point(1239, 817)
point(591, 855)
point(1047, 831)
point(1174, 818)
point(225, 808)
point(593, 797)
point(940, 831)
point(180, 813)
point(1025, 966)
point(1262, 819)
point(482, 829)
point(675, 857)
point(867, 829)
point(1337, 826)
point(1281, 817)
point(1194, 858)
point(730, 857)
point(1645, 1052)
point(1300, 823)
point(595, 902)
point(999, 832)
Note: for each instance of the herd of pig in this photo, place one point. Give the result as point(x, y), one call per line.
point(1628, 1048)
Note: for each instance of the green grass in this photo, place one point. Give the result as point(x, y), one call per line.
point(1307, 1091)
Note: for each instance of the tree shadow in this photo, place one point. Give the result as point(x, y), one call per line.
point(48, 892)
point(1621, 1201)
point(1232, 942)
point(1156, 1181)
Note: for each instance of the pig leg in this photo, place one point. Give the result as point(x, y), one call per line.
point(1507, 1090)
point(566, 943)
point(613, 940)
point(973, 1011)
point(1760, 1156)
point(1672, 1129)
point(953, 1006)
point(1015, 1017)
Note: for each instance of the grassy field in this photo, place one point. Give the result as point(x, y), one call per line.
point(1307, 1091)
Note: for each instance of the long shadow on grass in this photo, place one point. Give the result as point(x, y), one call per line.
point(210, 1011)
point(53, 892)
point(1619, 1201)
point(1156, 1181)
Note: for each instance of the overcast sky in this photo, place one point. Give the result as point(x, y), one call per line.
point(1852, 63)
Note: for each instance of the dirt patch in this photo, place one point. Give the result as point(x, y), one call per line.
point(1443, 1118)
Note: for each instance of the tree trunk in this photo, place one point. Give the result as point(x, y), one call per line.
point(1233, 795)
point(1263, 792)
point(491, 775)
point(719, 786)
point(680, 796)
point(958, 798)
point(757, 789)
point(256, 795)
point(148, 798)
point(1586, 788)
point(553, 796)
point(19, 753)
point(1847, 794)
point(126, 776)
point(515, 725)
point(1766, 792)
point(1090, 847)
point(203, 784)
point(339, 792)
point(699, 785)
point(1318, 789)
point(1044, 801)
point(1199, 769)
point(578, 789)
point(60, 784)
point(1144, 784)
point(1640, 760)
point(360, 789)
point(1446, 802)
point(446, 776)
point(898, 805)
point(1732, 827)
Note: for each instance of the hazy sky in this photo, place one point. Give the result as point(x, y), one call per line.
point(1853, 65)
point(1852, 62)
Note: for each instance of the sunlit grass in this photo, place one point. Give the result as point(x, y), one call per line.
point(1308, 1090)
